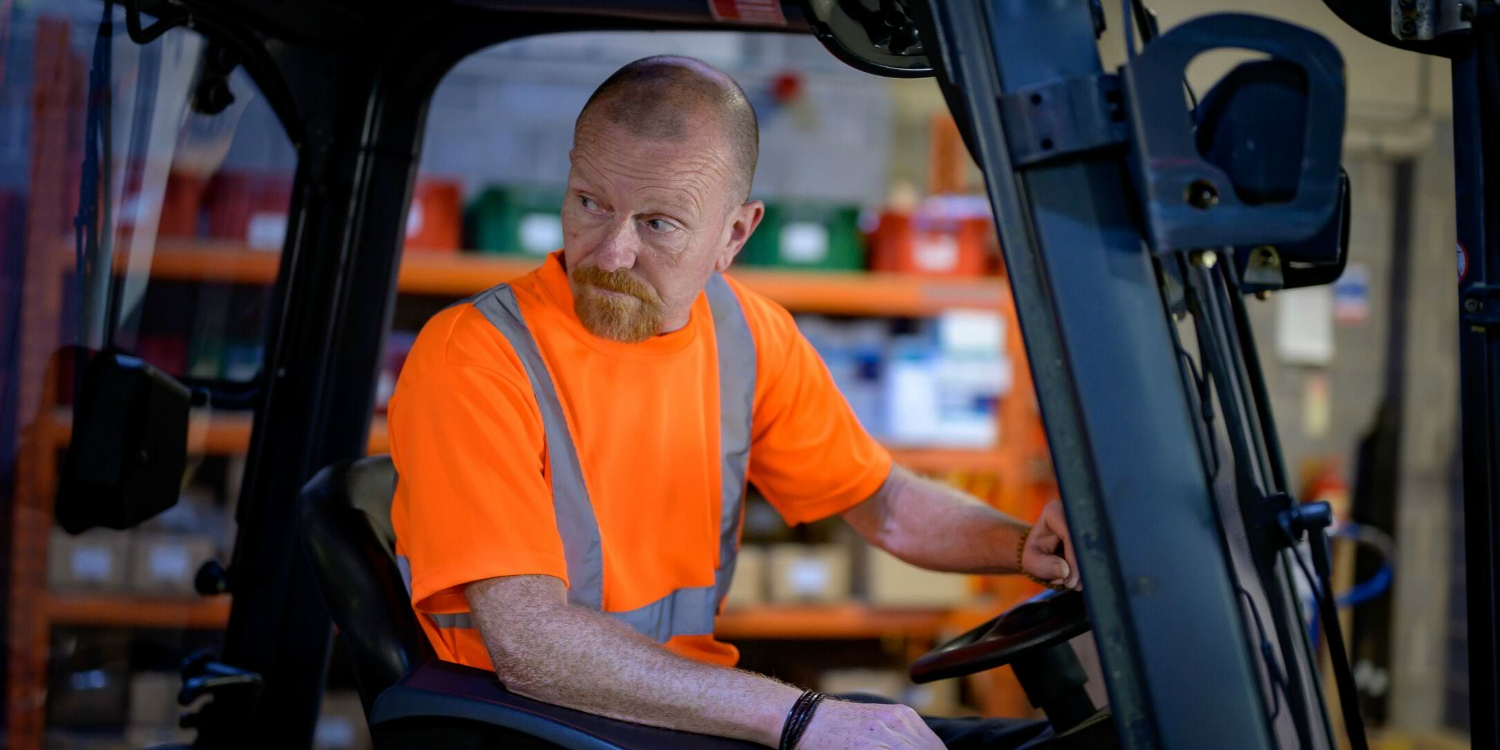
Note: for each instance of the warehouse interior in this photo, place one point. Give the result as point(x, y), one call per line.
point(877, 237)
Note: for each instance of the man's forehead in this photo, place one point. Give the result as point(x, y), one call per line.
point(663, 167)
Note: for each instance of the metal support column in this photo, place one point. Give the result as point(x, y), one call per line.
point(1476, 135)
point(1156, 571)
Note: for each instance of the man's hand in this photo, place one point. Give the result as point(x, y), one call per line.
point(841, 725)
point(1039, 557)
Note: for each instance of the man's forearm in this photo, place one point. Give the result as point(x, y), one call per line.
point(934, 526)
point(572, 657)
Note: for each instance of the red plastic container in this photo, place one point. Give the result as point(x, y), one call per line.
point(945, 236)
point(435, 221)
point(250, 208)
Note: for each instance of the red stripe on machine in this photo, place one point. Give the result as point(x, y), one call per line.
point(749, 11)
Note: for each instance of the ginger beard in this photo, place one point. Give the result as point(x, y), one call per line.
point(634, 314)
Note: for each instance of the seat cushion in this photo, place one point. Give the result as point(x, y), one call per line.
point(443, 689)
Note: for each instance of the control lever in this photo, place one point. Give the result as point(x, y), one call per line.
point(1314, 519)
point(202, 676)
point(211, 579)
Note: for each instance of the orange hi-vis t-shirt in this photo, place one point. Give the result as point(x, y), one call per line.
point(474, 500)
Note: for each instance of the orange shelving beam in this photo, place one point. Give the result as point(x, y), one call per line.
point(228, 433)
point(128, 611)
point(462, 274)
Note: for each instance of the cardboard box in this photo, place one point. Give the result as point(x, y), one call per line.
point(893, 583)
point(749, 585)
point(96, 560)
point(810, 573)
point(165, 564)
point(158, 735)
point(886, 683)
point(153, 699)
point(935, 698)
point(88, 679)
point(341, 723)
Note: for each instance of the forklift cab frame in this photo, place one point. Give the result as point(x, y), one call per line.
point(1113, 220)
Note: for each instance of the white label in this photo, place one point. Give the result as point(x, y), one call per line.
point(541, 233)
point(804, 242)
point(935, 252)
point(1304, 326)
point(971, 331)
point(92, 563)
point(808, 576)
point(1463, 262)
point(169, 562)
point(266, 231)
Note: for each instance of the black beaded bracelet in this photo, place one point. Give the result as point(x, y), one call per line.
point(798, 718)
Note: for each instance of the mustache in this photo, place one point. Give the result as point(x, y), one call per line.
point(615, 281)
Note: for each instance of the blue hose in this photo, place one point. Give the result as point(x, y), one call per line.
point(1368, 589)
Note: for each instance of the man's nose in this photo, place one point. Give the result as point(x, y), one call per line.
point(619, 247)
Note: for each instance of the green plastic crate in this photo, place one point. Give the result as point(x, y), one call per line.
point(515, 219)
point(807, 234)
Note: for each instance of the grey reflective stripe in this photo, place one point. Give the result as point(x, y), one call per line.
point(686, 611)
point(404, 565)
point(461, 621)
point(683, 612)
point(576, 523)
point(736, 346)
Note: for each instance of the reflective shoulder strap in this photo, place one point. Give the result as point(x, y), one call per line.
point(576, 523)
point(737, 361)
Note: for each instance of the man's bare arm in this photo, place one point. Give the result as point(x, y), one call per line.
point(545, 649)
point(934, 526)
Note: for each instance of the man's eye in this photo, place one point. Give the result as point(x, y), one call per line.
point(589, 204)
point(661, 225)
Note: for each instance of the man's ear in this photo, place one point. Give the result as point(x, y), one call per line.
point(742, 224)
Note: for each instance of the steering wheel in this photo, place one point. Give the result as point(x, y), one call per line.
point(1033, 638)
point(1033, 626)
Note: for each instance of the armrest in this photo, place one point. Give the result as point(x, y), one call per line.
point(443, 690)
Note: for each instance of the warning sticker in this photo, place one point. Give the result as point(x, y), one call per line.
point(766, 12)
point(1463, 262)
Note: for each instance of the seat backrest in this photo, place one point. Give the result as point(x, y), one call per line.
point(346, 530)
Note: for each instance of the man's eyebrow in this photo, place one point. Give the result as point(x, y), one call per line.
point(582, 179)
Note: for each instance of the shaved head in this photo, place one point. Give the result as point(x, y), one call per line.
point(661, 98)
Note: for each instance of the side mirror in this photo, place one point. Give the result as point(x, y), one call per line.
point(877, 38)
point(1250, 126)
point(129, 446)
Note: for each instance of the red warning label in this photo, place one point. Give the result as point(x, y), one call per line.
point(767, 12)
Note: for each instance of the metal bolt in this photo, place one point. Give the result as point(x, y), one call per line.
point(1409, 27)
point(1205, 258)
point(1202, 195)
point(1472, 305)
point(1268, 256)
point(1263, 295)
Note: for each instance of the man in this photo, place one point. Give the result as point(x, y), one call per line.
point(573, 447)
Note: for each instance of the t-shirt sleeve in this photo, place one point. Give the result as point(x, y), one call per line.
point(472, 499)
point(809, 455)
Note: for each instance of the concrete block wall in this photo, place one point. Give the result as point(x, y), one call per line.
point(506, 114)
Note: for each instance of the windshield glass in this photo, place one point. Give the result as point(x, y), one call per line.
point(162, 175)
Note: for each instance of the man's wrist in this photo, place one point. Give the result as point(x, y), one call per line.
point(770, 723)
point(1023, 533)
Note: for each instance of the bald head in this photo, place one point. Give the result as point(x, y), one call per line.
point(661, 98)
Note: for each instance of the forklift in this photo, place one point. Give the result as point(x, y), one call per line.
point(1134, 218)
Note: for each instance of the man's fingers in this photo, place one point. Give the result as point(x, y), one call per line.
point(1058, 525)
point(1051, 568)
point(1043, 539)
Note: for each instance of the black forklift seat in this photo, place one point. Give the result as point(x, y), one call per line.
point(411, 698)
